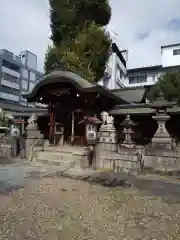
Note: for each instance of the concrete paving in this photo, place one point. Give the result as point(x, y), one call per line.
point(16, 175)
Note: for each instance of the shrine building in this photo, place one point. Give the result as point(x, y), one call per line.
point(71, 98)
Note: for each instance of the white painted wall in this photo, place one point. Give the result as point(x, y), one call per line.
point(120, 77)
point(152, 78)
point(29, 59)
point(24, 84)
point(168, 59)
point(24, 73)
point(117, 71)
point(31, 86)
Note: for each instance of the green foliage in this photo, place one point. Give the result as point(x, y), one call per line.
point(169, 84)
point(80, 41)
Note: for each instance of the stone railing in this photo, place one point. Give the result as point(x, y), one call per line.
point(160, 156)
point(124, 157)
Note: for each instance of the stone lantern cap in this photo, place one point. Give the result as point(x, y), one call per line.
point(161, 103)
point(128, 122)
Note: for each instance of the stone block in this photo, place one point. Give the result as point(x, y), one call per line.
point(163, 161)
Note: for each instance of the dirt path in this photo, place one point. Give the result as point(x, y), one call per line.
point(68, 209)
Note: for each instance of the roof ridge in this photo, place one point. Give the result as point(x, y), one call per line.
point(74, 70)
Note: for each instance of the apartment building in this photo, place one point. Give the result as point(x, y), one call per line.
point(18, 74)
point(118, 75)
point(170, 60)
point(116, 69)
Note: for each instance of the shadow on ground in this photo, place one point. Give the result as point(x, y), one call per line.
point(167, 190)
point(15, 177)
point(7, 188)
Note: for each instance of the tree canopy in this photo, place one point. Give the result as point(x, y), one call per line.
point(80, 40)
point(169, 84)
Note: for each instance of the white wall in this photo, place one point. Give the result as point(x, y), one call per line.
point(152, 78)
point(120, 77)
point(168, 59)
point(117, 71)
point(24, 73)
point(31, 86)
point(29, 59)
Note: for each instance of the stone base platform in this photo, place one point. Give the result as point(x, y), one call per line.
point(123, 160)
point(162, 160)
point(64, 155)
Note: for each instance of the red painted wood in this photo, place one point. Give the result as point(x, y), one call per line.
point(51, 125)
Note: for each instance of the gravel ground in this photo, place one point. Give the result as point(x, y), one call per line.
point(66, 209)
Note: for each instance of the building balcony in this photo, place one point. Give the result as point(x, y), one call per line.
point(10, 72)
point(10, 84)
point(8, 96)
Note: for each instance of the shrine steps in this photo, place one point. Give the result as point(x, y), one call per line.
point(64, 156)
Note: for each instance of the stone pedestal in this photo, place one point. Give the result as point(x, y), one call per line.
point(107, 138)
point(161, 137)
point(106, 142)
point(161, 156)
point(34, 138)
point(109, 156)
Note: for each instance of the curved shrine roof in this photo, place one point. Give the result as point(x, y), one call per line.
point(130, 94)
point(81, 83)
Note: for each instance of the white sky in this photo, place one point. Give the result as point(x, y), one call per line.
point(142, 27)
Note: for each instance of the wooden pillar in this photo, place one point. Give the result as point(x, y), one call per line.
point(51, 125)
point(72, 128)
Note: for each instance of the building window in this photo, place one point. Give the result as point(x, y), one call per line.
point(24, 84)
point(154, 77)
point(138, 79)
point(10, 78)
point(142, 79)
point(25, 73)
point(31, 86)
point(11, 66)
point(132, 80)
point(176, 52)
point(32, 76)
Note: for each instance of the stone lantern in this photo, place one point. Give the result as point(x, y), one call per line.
point(161, 137)
point(128, 124)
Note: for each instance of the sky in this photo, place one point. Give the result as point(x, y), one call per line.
point(141, 26)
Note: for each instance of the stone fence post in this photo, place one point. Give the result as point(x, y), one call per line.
point(33, 136)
